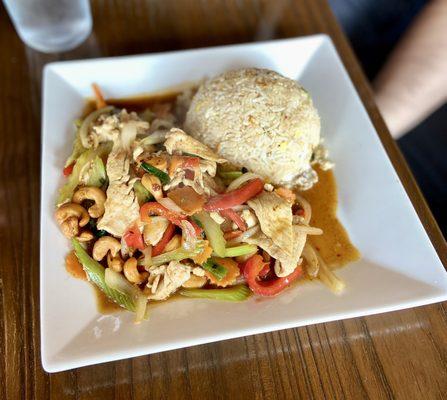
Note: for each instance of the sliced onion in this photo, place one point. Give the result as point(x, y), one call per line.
point(124, 248)
point(85, 126)
point(116, 281)
point(248, 233)
point(241, 207)
point(171, 205)
point(146, 262)
point(154, 138)
point(188, 235)
point(308, 230)
point(248, 176)
point(312, 266)
point(128, 134)
point(306, 207)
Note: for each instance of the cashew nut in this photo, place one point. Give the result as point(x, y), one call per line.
point(71, 217)
point(91, 193)
point(85, 236)
point(153, 184)
point(105, 245)
point(195, 282)
point(131, 271)
point(115, 263)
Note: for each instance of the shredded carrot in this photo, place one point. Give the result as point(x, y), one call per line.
point(204, 255)
point(74, 267)
point(100, 102)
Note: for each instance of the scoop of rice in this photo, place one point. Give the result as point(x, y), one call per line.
point(258, 119)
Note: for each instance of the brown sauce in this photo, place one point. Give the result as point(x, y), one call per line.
point(141, 103)
point(334, 244)
point(107, 306)
point(103, 303)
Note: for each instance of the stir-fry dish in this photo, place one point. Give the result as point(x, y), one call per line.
point(152, 211)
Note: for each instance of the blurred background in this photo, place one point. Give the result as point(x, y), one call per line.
point(401, 45)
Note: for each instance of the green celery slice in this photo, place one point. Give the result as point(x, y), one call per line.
point(78, 149)
point(143, 195)
point(234, 293)
point(241, 250)
point(98, 175)
point(96, 274)
point(219, 271)
point(178, 254)
point(213, 232)
point(66, 191)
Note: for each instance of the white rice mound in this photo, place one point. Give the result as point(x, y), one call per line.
point(258, 119)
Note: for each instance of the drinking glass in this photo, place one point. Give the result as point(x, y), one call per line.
point(51, 25)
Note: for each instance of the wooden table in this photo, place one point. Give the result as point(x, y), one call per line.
point(396, 355)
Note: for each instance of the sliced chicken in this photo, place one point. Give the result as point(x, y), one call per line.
point(275, 217)
point(287, 262)
point(121, 206)
point(178, 141)
point(166, 279)
point(119, 127)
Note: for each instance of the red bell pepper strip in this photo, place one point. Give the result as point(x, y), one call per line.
point(68, 169)
point(153, 208)
point(252, 270)
point(235, 217)
point(235, 197)
point(167, 236)
point(134, 238)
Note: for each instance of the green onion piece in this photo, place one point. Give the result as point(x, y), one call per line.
point(163, 176)
point(234, 293)
point(143, 195)
point(128, 296)
point(212, 232)
point(178, 254)
point(230, 175)
point(241, 250)
point(219, 271)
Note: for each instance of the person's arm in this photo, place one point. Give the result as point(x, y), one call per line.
point(413, 81)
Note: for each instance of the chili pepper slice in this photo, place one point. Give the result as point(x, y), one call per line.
point(235, 197)
point(252, 270)
point(167, 236)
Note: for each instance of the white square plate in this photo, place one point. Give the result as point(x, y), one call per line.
point(399, 266)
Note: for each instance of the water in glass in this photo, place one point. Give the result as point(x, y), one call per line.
point(51, 25)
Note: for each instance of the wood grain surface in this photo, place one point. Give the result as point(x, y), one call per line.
point(400, 355)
